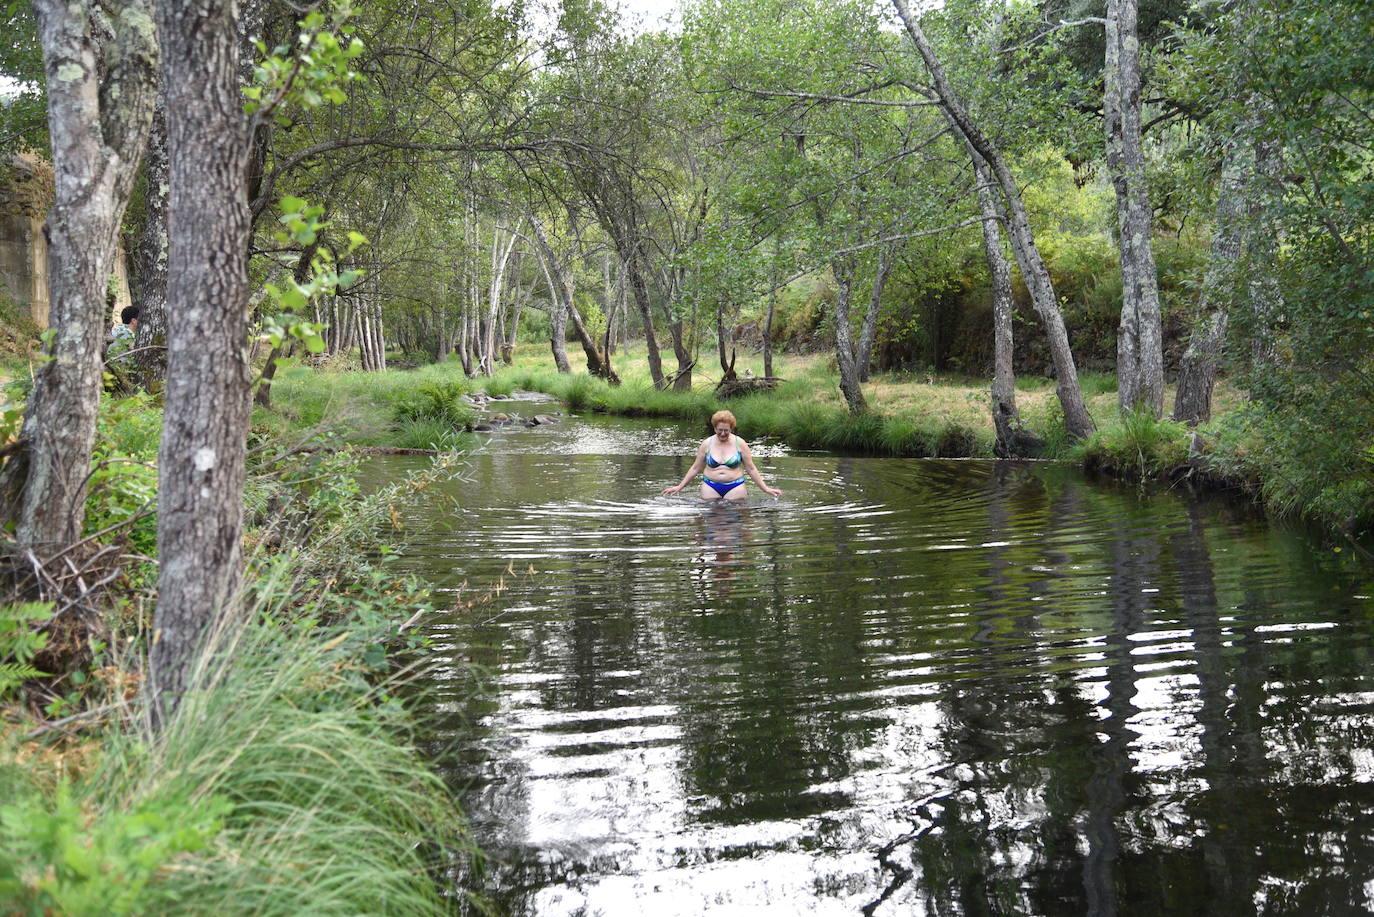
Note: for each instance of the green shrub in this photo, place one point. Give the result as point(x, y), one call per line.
point(580, 391)
point(122, 489)
point(61, 859)
point(1137, 445)
point(286, 782)
point(435, 402)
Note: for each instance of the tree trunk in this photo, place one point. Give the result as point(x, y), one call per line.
point(639, 289)
point(205, 422)
point(558, 334)
point(768, 326)
point(558, 313)
point(615, 304)
point(1005, 417)
point(500, 257)
point(1076, 417)
point(517, 306)
point(597, 364)
point(101, 95)
point(843, 269)
point(722, 345)
point(561, 292)
point(366, 351)
point(378, 335)
point(1198, 371)
point(1261, 255)
point(1140, 348)
point(869, 332)
point(682, 377)
point(150, 258)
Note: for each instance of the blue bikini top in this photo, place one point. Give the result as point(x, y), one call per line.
point(733, 461)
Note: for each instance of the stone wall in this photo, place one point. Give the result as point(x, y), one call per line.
point(25, 196)
point(26, 191)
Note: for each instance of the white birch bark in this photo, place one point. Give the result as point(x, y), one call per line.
point(500, 258)
point(101, 78)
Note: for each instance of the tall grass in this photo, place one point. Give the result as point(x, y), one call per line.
point(1134, 445)
point(366, 409)
point(792, 413)
point(287, 781)
point(284, 784)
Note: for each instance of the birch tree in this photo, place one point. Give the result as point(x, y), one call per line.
point(1140, 347)
point(1033, 271)
point(100, 66)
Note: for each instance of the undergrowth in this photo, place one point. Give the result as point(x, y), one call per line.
point(1135, 446)
point(287, 781)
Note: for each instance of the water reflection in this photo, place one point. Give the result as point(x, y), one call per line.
point(909, 688)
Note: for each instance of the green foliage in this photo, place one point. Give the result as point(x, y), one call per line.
point(426, 433)
point(302, 224)
point(312, 71)
point(285, 784)
point(122, 489)
point(19, 643)
point(23, 113)
point(1136, 445)
point(438, 403)
point(61, 860)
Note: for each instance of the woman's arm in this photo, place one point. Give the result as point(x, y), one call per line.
point(754, 471)
point(691, 472)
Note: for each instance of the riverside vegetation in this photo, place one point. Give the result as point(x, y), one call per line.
point(913, 416)
point(287, 782)
point(1179, 184)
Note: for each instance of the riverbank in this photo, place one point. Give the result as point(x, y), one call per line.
point(921, 415)
point(288, 780)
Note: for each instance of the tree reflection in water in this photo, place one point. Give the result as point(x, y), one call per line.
point(918, 687)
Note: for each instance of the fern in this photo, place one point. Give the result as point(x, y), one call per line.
point(19, 643)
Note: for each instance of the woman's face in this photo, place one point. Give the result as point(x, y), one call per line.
point(723, 430)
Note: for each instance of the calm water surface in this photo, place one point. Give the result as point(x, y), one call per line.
point(905, 687)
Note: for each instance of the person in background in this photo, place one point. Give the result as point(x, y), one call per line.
point(123, 333)
point(723, 460)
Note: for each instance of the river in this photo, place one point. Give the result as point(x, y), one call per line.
point(904, 687)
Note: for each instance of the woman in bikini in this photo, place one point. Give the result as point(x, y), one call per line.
point(723, 460)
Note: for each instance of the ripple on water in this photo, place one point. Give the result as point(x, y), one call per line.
point(904, 682)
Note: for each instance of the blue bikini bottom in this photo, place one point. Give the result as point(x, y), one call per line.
point(722, 488)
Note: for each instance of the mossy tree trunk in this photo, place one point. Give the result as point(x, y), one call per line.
point(150, 258)
point(101, 76)
point(1140, 347)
